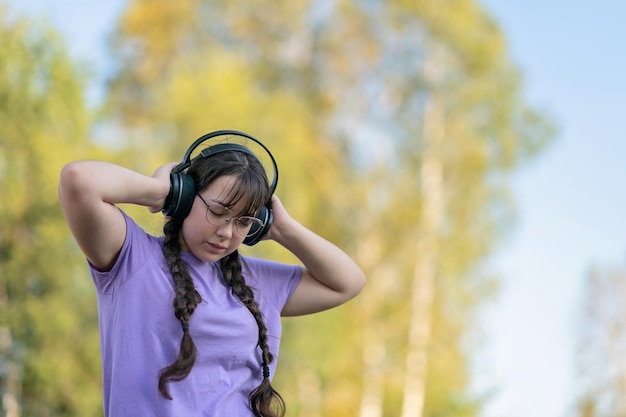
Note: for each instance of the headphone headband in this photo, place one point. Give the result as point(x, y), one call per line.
point(223, 147)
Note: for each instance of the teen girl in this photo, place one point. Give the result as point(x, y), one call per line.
point(188, 326)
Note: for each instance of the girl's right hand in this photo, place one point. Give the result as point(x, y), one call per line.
point(162, 173)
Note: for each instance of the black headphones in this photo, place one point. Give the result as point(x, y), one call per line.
point(183, 191)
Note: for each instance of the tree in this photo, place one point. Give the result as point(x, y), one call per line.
point(48, 338)
point(405, 119)
point(601, 347)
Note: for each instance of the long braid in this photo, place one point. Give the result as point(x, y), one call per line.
point(264, 398)
point(185, 301)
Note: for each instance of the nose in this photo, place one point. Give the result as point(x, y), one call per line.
point(225, 231)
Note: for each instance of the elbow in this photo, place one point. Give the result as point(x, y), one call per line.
point(358, 284)
point(72, 180)
point(362, 280)
point(68, 178)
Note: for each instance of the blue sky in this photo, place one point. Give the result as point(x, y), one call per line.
point(571, 199)
point(571, 202)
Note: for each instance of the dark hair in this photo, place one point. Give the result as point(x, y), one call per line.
point(252, 186)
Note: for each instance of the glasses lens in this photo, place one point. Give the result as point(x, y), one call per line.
point(216, 215)
point(248, 226)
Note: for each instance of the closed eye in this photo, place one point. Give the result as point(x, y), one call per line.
point(245, 221)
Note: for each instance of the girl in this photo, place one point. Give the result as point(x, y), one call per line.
point(188, 326)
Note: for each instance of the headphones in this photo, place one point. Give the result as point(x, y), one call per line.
point(183, 191)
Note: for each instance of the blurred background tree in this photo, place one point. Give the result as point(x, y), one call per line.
point(601, 349)
point(405, 119)
point(49, 357)
point(395, 125)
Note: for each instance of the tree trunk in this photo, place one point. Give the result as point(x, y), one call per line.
point(427, 250)
point(374, 350)
point(309, 392)
point(10, 375)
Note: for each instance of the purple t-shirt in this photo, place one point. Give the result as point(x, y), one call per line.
point(139, 334)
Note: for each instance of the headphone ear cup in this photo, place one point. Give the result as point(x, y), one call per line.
point(180, 199)
point(267, 217)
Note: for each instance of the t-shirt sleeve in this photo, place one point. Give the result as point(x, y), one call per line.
point(138, 247)
point(273, 282)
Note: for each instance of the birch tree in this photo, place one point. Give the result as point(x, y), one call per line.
point(601, 345)
point(48, 343)
point(427, 244)
point(399, 124)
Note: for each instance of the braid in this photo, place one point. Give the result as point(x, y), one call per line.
point(185, 301)
point(264, 398)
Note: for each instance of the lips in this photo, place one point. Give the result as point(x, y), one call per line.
point(216, 246)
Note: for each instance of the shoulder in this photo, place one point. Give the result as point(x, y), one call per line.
point(273, 280)
point(138, 248)
point(268, 269)
point(138, 242)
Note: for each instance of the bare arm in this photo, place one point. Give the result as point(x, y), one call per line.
point(88, 192)
point(330, 276)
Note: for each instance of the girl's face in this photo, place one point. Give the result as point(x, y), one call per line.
point(207, 241)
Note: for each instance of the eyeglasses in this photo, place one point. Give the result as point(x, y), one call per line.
point(216, 214)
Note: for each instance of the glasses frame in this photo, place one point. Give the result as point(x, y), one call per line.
point(237, 224)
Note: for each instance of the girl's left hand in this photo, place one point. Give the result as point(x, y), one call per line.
point(281, 219)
